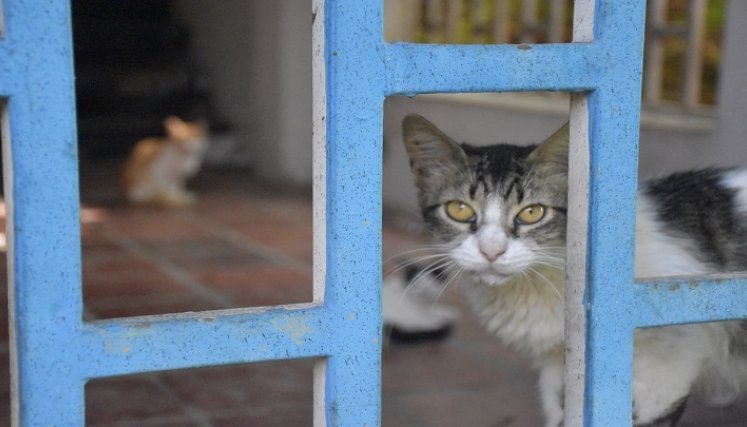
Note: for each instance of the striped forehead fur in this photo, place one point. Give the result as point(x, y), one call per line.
point(496, 166)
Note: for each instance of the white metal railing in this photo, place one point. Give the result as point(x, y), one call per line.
point(693, 32)
point(548, 21)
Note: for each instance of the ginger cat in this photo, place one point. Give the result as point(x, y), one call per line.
point(157, 170)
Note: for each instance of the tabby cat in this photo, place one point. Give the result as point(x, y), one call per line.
point(157, 170)
point(500, 214)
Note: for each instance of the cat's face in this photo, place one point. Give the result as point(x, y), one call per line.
point(499, 210)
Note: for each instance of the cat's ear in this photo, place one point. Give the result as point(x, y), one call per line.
point(427, 146)
point(176, 128)
point(554, 150)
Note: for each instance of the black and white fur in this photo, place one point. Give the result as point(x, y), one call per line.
point(412, 312)
point(692, 223)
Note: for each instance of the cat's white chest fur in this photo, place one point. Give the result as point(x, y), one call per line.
point(526, 313)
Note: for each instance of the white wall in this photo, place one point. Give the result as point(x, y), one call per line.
point(256, 57)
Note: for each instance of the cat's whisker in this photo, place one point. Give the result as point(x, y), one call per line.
point(429, 248)
point(552, 262)
point(552, 286)
point(423, 273)
point(550, 265)
point(451, 278)
point(431, 268)
point(415, 261)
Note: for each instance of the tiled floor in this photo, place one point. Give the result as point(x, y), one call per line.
point(249, 244)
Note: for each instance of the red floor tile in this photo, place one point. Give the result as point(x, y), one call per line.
point(133, 398)
point(261, 385)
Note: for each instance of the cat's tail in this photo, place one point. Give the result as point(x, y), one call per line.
point(724, 377)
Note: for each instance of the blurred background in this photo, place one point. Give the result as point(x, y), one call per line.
point(245, 67)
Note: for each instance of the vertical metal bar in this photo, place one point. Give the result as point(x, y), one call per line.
point(575, 301)
point(453, 22)
point(319, 172)
point(354, 127)
point(614, 109)
point(599, 325)
point(694, 54)
point(433, 20)
point(556, 24)
point(577, 245)
point(609, 346)
point(480, 18)
point(654, 52)
point(501, 23)
point(529, 23)
point(402, 18)
point(41, 189)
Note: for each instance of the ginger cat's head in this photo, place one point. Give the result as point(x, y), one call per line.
point(180, 130)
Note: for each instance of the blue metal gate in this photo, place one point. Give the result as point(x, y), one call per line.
point(54, 352)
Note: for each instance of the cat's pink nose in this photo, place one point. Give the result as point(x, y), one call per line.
point(492, 255)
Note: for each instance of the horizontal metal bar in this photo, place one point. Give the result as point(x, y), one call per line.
point(680, 300)
point(429, 68)
point(188, 340)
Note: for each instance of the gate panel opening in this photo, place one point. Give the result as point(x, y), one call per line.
point(266, 394)
point(479, 21)
point(236, 231)
point(485, 119)
point(437, 352)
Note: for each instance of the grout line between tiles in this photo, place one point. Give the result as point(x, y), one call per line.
point(241, 242)
point(170, 269)
point(198, 416)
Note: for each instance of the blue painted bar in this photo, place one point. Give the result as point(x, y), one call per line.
point(419, 68)
point(614, 114)
point(186, 340)
point(689, 300)
point(610, 270)
point(355, 97)
point(43, 222)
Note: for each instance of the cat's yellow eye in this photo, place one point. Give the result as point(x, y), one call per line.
point(531, 214)
point(460, 211)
